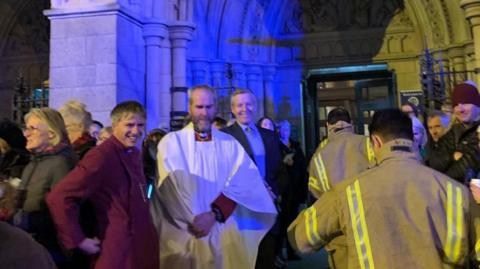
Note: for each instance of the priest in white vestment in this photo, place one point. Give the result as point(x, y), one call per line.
point(211, 206)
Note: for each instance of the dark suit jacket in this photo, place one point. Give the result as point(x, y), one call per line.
point(273, 157)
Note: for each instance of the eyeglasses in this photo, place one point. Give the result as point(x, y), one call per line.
point(31, 129)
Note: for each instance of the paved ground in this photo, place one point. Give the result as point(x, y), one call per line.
point(317, 260)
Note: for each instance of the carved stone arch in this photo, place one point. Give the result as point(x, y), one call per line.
point(431, 22)
point(229, 34)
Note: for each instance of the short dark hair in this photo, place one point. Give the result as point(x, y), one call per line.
point(99, 124)
point(221, 121)
point(338, 114)
point(391, 124)
point(128, 107)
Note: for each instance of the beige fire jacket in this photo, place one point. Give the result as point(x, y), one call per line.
point(343, 155)
point(399, 214)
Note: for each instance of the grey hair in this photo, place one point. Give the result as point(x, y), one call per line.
point(239, 91)
point(126, 108)
point(77, 112)
point(201, 87)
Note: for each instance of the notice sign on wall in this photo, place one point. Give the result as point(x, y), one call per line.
point(414, 97)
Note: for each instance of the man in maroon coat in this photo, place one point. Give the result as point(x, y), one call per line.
point(111, 177)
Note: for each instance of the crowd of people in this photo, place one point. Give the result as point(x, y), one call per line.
point(241, 194)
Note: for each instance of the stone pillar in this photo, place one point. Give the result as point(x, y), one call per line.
point(180, 34)
point(217, 74)
point(157, 96)
point(255, 84)
point(457, 63)
point(239, 78)
point(200, 74)
point(472, 13)
point(97, 55)
point(268, 76)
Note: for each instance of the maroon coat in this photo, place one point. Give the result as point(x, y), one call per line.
point(111, 177)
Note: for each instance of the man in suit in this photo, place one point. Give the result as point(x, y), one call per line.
point(263, 148)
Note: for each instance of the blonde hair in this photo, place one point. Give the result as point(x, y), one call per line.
point(77, 112)
point(54, 121)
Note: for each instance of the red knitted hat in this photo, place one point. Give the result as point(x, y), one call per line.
point(465, 94)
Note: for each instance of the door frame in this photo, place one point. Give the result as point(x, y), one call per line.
point(315, 76)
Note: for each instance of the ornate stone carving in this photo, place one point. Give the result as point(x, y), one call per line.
point(401, 20)
point(436, 25)
point(340, 15)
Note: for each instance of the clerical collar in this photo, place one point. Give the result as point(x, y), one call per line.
point(203, 137)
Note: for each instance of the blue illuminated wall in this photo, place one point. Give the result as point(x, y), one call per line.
point(244, 40)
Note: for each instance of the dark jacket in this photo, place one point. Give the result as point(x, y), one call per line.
point(459, 138)
point(18, 250)
point(42, 173)
point(273, 157)
point(83, 144)
point(13, 162)
point(297, 185)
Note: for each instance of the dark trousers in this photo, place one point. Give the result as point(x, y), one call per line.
point(266, 252)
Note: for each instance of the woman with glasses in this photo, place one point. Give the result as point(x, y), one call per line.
point(52, 159)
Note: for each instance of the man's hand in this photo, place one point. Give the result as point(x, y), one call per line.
point(202, 224)
point(475, 192)
point(457, 155)
point(90, 245)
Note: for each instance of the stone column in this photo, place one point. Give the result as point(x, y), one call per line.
point(239, 77)
point(472, 13)
point(200, 73)
point(97, 55)
point(457, 63)
point(255, 84)
point(157, 97)
point(217, 74)
point(268, 76)
point(180, 34)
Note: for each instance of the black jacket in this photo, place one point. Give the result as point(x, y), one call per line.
point(272, 152)
point(459, 138)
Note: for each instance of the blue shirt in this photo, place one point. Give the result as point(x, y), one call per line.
point(256, 144)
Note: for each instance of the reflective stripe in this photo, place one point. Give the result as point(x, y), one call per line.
point(359, 226)
point(321, 171)
point(323, 143)
point(312, 182)
point(454, 223)
point(311, 226)
point(477, 250)
point(370, 153)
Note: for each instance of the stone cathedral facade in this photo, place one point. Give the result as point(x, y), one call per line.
point(105, 51)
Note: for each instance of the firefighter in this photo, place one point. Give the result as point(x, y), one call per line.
point(399, 214)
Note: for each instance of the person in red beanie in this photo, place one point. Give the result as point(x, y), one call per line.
point(460, 154)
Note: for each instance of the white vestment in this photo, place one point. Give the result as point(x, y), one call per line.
point(191, 176)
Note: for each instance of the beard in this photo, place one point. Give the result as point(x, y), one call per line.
point(202, 124)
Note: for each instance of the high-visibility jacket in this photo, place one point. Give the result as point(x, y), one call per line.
point(341, 156)
point(399, 214)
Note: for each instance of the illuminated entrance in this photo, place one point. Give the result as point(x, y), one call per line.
point(359, 89)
